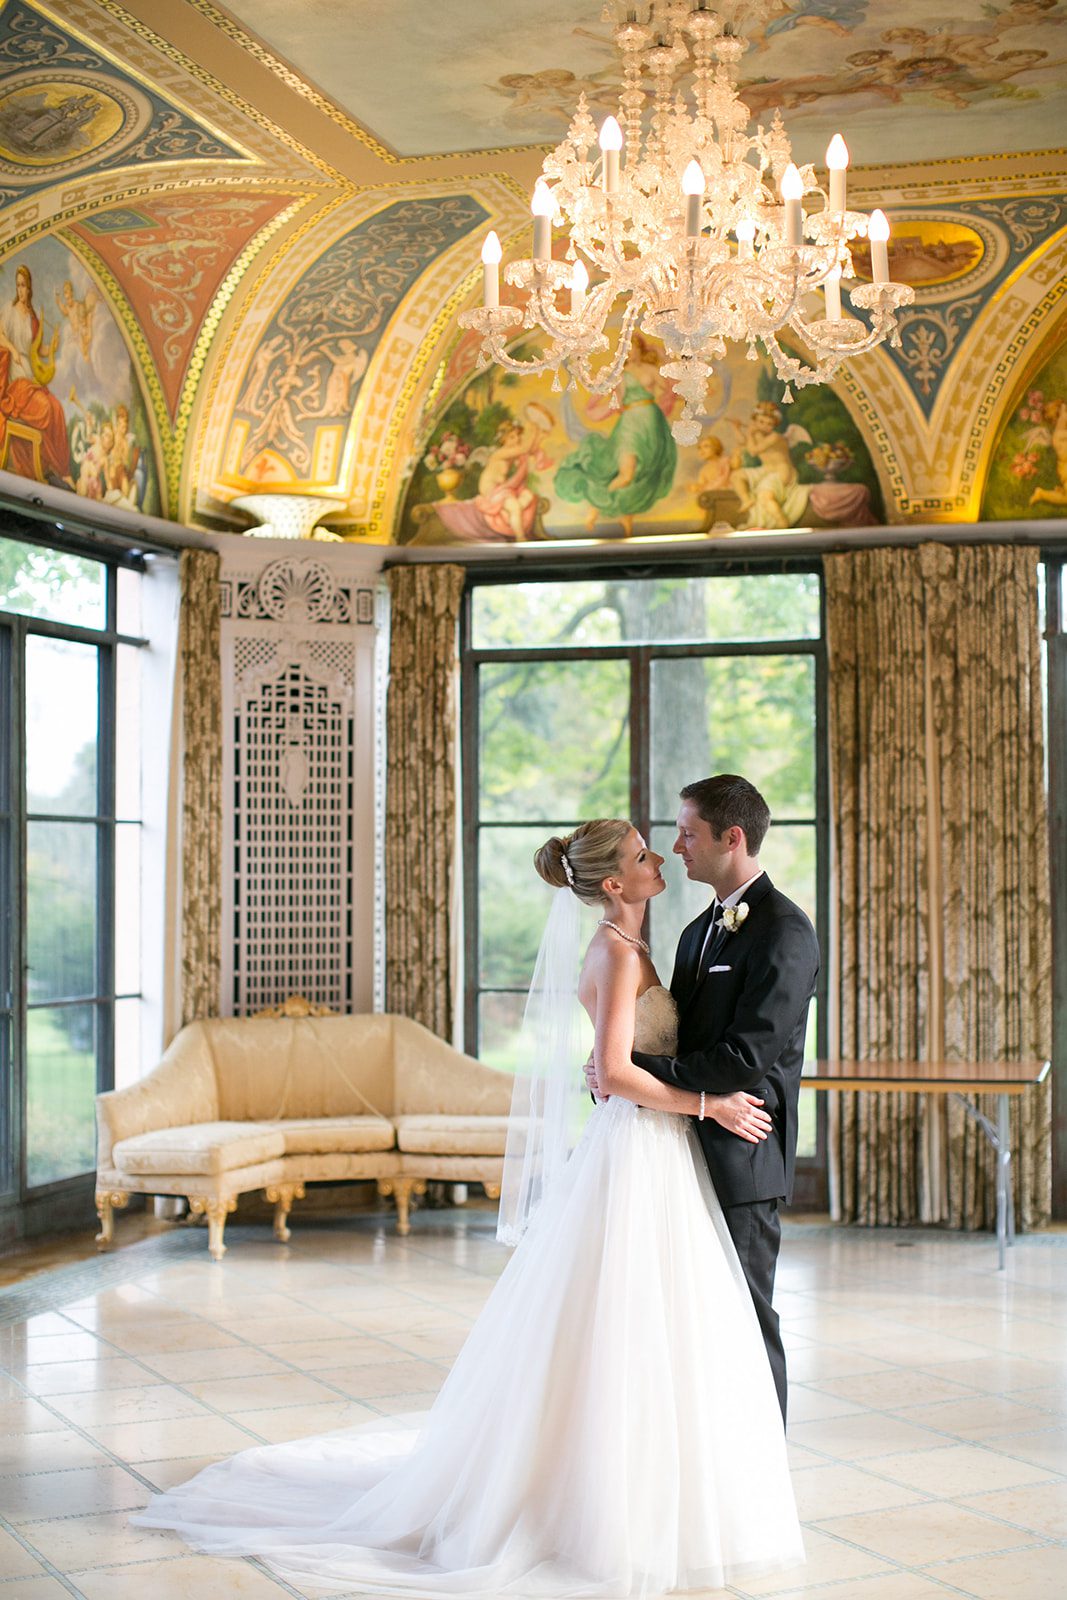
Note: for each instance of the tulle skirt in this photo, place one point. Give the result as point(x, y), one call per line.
point(610, 1427)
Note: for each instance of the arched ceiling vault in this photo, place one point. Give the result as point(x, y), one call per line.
point(252, 227)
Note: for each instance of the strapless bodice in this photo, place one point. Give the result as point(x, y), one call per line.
point(656, 1022)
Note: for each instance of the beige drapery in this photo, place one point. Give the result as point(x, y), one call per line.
point(941, 872)
point(200, 676)
point(420, 804)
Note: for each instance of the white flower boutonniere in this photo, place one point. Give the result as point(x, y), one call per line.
point(733, 916)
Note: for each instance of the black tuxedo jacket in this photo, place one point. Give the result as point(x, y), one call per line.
point(742, 1026)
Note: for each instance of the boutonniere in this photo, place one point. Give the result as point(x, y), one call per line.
point(733, 916)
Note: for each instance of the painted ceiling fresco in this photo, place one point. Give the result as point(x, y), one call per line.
point(300, 389)
point(510, 75)
point(234, 244)
point(65, 108)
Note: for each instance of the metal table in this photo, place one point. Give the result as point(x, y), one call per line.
point(960, 1078)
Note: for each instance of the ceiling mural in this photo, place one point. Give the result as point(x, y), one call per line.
point(72, 412)
point(512, 460)
point(170, 255)
point(512, 76)
point(1028, 471)
point(248, 233)
point(66, 108)
point(297, 398)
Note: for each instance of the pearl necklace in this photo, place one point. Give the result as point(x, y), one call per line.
point(604, 923)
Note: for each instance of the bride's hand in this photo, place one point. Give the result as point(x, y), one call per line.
point(590, 1077)
point(740, 1113)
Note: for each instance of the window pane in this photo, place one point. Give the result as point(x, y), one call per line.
point(513, 904)
point(499, 1022)
point(128, 908)
point(749, 714)
point(46, 583)
point(61, 909)
point(60, 1091)
point(128, 732)
point(782, 605)
point(555, 740)
point(62, 711)
point(789, 856)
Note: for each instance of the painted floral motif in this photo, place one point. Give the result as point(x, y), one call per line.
point(170, 255)
point(297, 397)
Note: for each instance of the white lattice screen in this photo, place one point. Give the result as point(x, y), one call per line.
point(299, 695)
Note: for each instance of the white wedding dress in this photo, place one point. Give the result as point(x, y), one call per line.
point(610, 1427)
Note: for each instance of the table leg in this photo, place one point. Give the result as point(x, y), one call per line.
point(1005, 1197)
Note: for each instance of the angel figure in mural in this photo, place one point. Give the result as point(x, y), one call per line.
point(767, 483)
point(347, 366)
point(623, 473)
point(33, 427)
point(78, 315)
point(1052, 434)
point(763, 474)
point(505, 507)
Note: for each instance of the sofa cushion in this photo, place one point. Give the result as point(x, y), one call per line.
point(206, 1148)
point(322, 1135)
point(452, 1135)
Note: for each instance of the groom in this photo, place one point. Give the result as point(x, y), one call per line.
point(743, 979)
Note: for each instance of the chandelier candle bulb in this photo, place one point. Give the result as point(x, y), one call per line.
point(579, 284)
point(610, 146)
point(693, 188)
point(543, 207)
point(746, 234)
point(491, 254)
point(878, 234)
point(837, 159)
point(792, 189)
point(832, 290)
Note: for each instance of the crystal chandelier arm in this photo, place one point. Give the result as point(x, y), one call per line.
point(610, 375)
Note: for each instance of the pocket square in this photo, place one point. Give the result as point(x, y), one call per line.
point(720, 969)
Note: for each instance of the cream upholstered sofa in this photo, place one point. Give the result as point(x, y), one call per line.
point(274, 1103)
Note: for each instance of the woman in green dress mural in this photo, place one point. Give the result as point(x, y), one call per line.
point(623, 473)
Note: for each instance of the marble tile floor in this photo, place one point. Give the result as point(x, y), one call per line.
point(928, 1419)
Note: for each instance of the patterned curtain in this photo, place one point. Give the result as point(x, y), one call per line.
point(877, 760)
point(996, 916)
point(420, 800)
point(199, 632)
point(942, 878)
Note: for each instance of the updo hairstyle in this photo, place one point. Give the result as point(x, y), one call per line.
point(592, 852)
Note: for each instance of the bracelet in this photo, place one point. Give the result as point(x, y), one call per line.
point(703, 1096)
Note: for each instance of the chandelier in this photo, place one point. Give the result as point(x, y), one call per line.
point(694, 224)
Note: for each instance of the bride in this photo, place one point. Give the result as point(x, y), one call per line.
point(610, 1427)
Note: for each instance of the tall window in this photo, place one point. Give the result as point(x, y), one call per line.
point(69, 861)
point(601, 698)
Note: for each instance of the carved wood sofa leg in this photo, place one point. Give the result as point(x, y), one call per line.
point(106, 1199)
point(282, 1195)
point(492, 1191)
point(216, 1211)
point(403, 1189)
